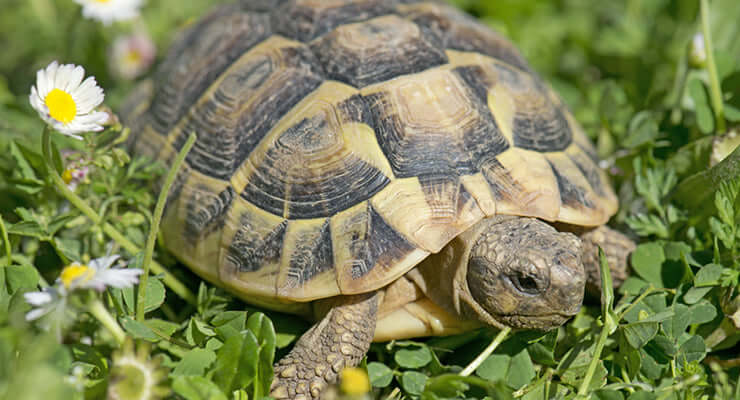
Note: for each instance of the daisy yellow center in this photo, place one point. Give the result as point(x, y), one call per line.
point(354, 381)
point(73, 272)
point(67, 176)
point(61, 105)
point(101, 1)
point(133, 57)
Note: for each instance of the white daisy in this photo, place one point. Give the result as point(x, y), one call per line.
point(132, 55)
point(98, 275)
point(108, 11)
point(66, 102)
point(44, 302)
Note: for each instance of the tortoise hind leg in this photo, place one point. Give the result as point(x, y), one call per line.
point(339, 340)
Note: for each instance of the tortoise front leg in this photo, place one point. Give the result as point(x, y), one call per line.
point(339, 340)
point(617, 248)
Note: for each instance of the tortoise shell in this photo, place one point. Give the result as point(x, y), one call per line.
point(341, 142)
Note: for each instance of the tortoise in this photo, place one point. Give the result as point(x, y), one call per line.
point(386, 168)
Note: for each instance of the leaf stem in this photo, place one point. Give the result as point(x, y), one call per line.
point(156, 219)
point(601, 341)
point(98, 310)
point(170, 280)
point(714, 85)
point(487, 352)
point(6, 241)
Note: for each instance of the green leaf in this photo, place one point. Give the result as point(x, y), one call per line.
point(521, 370)
point(197, 388)
point(676, 326)
point(704, 115)
point(21, 277)
point(415, 356)
point(662, 349)
point(639, 333)
point(139, 330)
point(701, 313)
point(236, 362)
point(197, 332)
point(643, 128)
point(694, 294)
point(607, 394)
point(708, 275)
point(229, 323)
point(58, 222)
point(453, 386)
point(22, 166)
point(264, 332)
point(709, 181)
point(194, 362)
point(575, 362)
point(162, 328)
point(70, 247)
point(642, 395)
point(155, 295)
point(380, 375)
point(28, 228)
point(693, 349)
point(413, 382)
point(494, 368)
point(647, 260)
point(649, 367)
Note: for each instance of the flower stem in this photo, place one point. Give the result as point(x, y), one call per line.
point(156, 219)
point(714, 85)
point(487, 352)
point(170, 280)
point(98, 310)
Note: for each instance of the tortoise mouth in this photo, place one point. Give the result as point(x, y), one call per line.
point(544, 322)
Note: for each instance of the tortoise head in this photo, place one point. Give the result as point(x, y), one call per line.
point(525, 274)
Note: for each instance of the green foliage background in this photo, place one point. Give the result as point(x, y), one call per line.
point(624, 69)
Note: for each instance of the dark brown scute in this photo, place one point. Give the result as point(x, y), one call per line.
point(354, 109)
point(459, 31)
point(590, 172)
point(571, 194)
point(376, 50)
point(228, 131)
point(199, 57)
point(260, 5)
point(445, 196)
point(311, 256)
point(374, 242)
point(305, 20)
point(503, 185)
point(252, 247)
point(539, 124)
point(415, 148)
point(206, 211)
point(306, 173)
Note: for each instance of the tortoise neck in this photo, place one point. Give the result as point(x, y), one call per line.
point(443, 276)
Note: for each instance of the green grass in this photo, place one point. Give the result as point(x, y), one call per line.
point(661, 116)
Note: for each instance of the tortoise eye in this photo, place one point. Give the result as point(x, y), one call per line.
point(526, 283)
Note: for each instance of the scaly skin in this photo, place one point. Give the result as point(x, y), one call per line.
point(617, 248)
point(339, 340)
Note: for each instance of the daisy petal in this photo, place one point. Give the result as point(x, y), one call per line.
point(37, 298)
